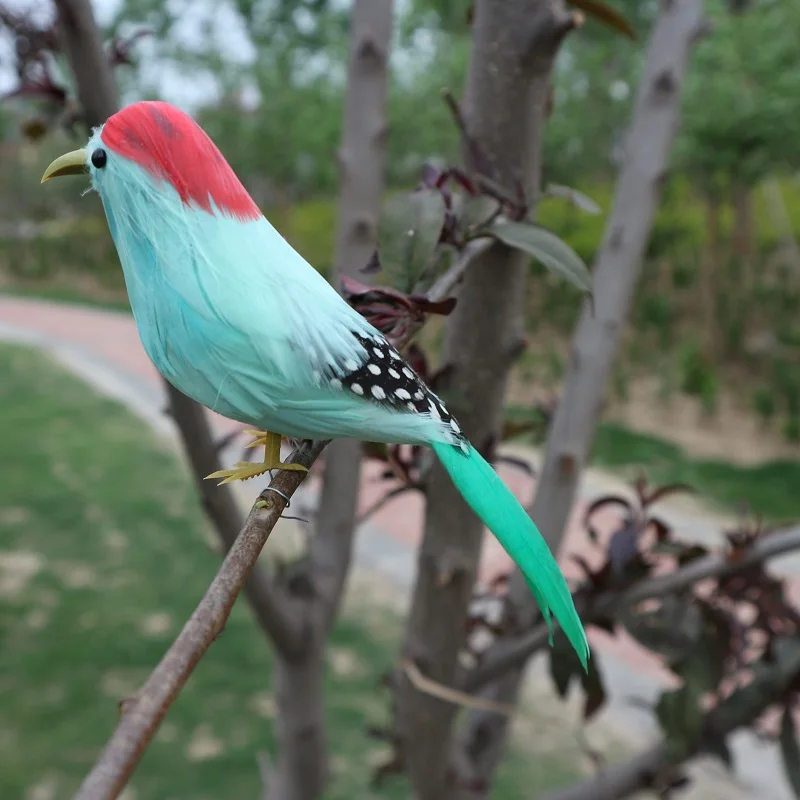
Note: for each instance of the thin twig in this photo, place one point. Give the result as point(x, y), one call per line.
point(430, 687)
point(143, 715)
point(509, 654)
point(382, 501)
point(445, 284)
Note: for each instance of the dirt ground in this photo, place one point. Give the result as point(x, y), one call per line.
point(734, 433)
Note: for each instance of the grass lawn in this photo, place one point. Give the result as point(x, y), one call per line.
point(103, 555)
point(768, 489)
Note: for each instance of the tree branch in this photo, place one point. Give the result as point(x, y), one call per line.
point(511, 654)
point(445, 284)
point(738, 710)
point(277, 614)
point(143, 713)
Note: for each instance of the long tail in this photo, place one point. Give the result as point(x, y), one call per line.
point(502, 513)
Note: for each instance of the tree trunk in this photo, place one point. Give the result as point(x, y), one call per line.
point(302, 769)
point(514, 45)
point(742, 240)
point(742, 221)
point(709, 274)
point(617, 268)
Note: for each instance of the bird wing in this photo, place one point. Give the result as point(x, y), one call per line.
point(281, 345)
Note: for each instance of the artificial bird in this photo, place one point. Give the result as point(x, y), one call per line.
point(233, 317)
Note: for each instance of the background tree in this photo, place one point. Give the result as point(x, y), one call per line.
point(473, 236)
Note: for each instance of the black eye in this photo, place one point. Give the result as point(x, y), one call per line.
point(99, 158)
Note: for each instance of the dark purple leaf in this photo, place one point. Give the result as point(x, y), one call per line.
point(584, 565)
point(418, 361)
point(564, 665)
point(120, 49)
point(595, 690)
point(624, 546)
point(663, 531)
point(649, 499)
point(691, 553)
point(519, 463)
point(607, 500)
point(441, 307)
point(372, 266)
point(717, 746)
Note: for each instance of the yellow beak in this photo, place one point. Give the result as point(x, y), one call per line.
point(73, 163)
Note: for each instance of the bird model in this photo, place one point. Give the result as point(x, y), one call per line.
point(233, 317)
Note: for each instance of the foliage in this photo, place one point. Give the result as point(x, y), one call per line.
point(742, 109)
point(718, 636)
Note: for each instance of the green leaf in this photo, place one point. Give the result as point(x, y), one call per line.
point(573, 196)
point(477, 210)
point(610, 16)
point(681, 719)
point(408, 234)
point(545, 247)
point(790, 750)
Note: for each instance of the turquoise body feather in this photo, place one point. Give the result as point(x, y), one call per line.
point(236, 319)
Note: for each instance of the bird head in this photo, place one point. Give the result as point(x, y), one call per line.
point(151, 152)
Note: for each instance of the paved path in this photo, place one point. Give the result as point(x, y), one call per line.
point(104, 348)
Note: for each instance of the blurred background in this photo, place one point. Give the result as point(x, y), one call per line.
point(104, 547)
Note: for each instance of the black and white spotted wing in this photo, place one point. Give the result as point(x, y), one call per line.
point(383, 377)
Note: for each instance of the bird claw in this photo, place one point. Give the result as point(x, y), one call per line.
point(244, 470)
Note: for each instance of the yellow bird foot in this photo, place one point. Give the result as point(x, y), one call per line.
point(244, 470)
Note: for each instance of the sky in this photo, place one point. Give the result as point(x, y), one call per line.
point(173, 84)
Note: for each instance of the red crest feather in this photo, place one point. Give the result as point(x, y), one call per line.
point(171, 146)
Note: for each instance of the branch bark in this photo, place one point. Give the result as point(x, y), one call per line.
point(514, 45)
point(739, 710)
point(616, 271)
point(302, 767)
point(141, 715)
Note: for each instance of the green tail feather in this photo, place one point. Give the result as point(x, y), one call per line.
point(502, 513)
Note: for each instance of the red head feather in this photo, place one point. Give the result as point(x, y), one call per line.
point(171, 146)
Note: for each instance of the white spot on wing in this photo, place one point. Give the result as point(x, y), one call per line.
point(378, 393)
point(374, 369)
point(356, 387)
point(403, 394)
